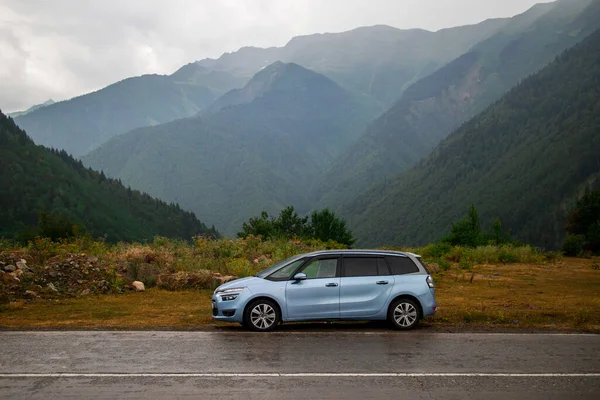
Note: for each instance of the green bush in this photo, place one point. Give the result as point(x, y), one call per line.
point(436, 250)
point(507, 256)
point(573, 245)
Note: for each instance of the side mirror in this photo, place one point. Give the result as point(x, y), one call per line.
point(300, 276)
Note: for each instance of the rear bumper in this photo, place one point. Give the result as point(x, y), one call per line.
point(429, 304)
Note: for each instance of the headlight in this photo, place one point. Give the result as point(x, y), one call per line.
point(235, 291)
point(232, 290)
point(229, 294)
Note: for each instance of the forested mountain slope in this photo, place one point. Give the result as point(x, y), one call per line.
point(525, 160)
point(34, 179)
point(81, 124)
point(262, 153)
point(431, 108)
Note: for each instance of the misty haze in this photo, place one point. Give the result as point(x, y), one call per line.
point(422, 165)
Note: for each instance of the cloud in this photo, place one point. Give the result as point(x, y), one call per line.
point(63, 48)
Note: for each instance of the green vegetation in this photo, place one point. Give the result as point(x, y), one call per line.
point(430, 109)
point(233, 163)
point(490, 286)
point(323, 226)
point(523, 160)
point(467, 232)
point(583, 226)
point(48, 193)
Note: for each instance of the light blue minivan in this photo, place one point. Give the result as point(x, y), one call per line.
point(328, 286)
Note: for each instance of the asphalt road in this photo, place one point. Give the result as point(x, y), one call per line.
point(292, 364)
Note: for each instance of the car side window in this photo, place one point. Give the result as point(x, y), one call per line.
point(363, 266)
point(287, 271)
point(321, 268)
point(401, 265)
point(382, 267)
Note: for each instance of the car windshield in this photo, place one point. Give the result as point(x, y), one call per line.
point(266, 272)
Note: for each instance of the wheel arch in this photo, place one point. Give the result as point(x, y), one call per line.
point(406, 296)
point(261, 297)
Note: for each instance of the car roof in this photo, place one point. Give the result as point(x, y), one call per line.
point(362, 252)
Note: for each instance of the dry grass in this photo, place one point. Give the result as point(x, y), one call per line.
point(154, 308)
point(560, 295)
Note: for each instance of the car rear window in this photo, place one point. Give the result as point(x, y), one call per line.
point(401, 265)
point(364, 266)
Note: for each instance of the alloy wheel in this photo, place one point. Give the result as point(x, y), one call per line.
point(263, 316)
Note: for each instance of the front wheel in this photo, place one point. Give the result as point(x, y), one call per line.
point(404, 314)
point(262, 316)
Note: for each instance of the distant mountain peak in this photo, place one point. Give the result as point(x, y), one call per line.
point(276, 77)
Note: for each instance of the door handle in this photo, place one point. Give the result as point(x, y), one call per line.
point(382, 282)
point(331, 285)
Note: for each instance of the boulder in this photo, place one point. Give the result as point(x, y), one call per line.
point(10, 268)
point(139, 286)
point(52, 287)
point(85, 292)
point(31, 293)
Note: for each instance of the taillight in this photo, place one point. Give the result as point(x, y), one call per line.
point(429, 281)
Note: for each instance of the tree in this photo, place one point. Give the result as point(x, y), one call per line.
point(258, 226)
point(584, 221)
point(326, 226)
point(467, 231)
point(57, 227)
point(288, 224)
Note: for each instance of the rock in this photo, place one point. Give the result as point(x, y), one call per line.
point(10, 268)
point(93, 259)
point(18, 272)
point(85, 292)
point(22, 264)
point(139, 286)
point(14, 275)
point(52, 287)
point(30, 293)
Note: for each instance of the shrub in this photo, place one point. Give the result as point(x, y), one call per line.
point(573, 245)
point(437, 250)
point(506, 256)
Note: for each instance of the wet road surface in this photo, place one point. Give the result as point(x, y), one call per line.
point(298, 364)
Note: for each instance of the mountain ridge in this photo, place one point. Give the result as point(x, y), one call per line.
point(524, 159)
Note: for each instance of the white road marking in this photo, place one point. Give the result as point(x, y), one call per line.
point(298, 375)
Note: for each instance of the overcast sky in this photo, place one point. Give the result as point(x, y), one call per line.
point(62, 48)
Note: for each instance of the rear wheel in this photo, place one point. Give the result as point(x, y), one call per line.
point(262, 316)
point(404, 314)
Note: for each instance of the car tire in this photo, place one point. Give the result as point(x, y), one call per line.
point(404, 314)
point(262, 316)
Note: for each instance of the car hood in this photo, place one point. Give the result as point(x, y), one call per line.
point(242, 282)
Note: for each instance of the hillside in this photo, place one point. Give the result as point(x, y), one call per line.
point(34, 179)
point(431, 108)
point(30, 109)
point(378, 62)
point(260, 154)
point(83, 123)
point(525, 160)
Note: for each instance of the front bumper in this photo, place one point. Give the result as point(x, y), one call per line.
point(229, 310)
